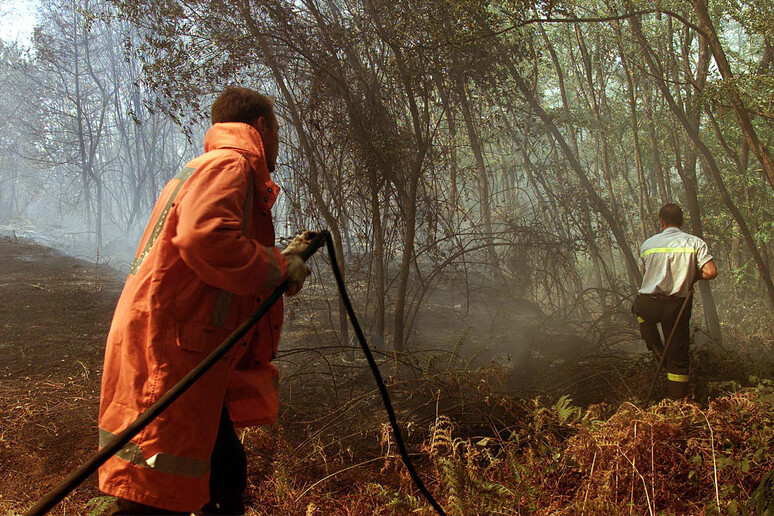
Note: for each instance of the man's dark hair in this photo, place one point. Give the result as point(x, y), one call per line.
point(237, 104)
point(671, 214)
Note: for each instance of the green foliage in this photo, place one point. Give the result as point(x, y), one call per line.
point(762, 498)
point(463, 468)
point(565, 411)
point(756, 16)
point(396, 501)
point(98, 505)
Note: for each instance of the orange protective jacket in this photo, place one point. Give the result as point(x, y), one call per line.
point(205, 262)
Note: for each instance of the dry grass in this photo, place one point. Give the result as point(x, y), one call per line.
point(480, 446)
point(538, 458)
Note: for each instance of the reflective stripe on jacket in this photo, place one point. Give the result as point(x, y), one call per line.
point(205, 262)
point(671, 260)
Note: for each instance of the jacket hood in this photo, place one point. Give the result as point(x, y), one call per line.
point(246, 140)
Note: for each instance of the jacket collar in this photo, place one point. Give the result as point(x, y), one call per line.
point(244, 139)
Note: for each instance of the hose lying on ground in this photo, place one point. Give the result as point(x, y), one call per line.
point(57, 494)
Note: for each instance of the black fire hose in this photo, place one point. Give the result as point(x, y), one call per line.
point(57, 494)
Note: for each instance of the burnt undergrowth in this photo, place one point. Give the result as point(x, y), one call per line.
point(550, 421)
point(548, 436)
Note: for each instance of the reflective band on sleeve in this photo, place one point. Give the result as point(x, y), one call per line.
point(162, 462)
point(669, 250)
point(640, 319)
point(182, 176)
point(673, 377)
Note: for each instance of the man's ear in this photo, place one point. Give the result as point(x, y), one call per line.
point(260, 124)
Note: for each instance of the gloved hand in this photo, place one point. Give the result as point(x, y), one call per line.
point(297, 269)
point(301, 243)
point(297, 273)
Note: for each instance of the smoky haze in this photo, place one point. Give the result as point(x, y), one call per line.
point(441, 171)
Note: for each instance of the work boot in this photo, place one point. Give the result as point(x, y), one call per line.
point(677, 390)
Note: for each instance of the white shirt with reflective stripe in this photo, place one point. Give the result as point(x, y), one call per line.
point(671, 260)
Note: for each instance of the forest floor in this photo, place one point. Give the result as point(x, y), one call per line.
point(54, 315)
point(483, 440)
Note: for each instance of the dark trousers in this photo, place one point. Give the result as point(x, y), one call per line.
point(228, 479)
point(652, 311)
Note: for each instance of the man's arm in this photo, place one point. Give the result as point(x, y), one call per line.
point(708, 271)
point(210, 240)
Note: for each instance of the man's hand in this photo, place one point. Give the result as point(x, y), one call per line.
point(297, 269)
point(297, 273)
point(708, 271)
point(301, 243)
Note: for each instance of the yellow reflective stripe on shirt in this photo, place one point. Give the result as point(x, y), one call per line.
point(673, 377)
point(182, 176)
point(162, 462)
point(669, 250)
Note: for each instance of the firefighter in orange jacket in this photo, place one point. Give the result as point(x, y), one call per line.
point(205, 262)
